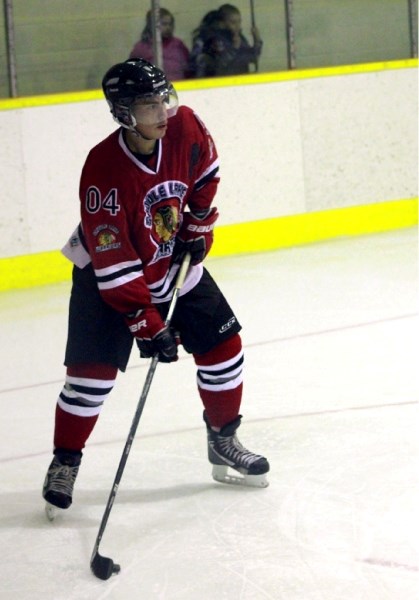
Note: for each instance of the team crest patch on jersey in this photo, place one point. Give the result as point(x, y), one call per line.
point(165, 222)
point(164, 228)
point(166, 192)
point(162, 207)
point(106, 238)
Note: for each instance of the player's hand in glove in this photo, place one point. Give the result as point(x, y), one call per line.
point(152, 335)
point(196, 235)
point(164, 343)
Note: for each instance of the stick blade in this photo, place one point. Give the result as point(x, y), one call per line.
point(103, 567)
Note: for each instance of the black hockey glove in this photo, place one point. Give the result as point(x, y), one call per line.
point(163, 343)
point(196, 236)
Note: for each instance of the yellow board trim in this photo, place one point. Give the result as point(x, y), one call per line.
point(215, 82)
point(307, 228)
point(31, 270)
point(257, 236)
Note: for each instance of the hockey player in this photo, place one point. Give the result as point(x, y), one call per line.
point(146, 195)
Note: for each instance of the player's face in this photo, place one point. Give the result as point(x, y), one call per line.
point(150, 111)
point(151, 116)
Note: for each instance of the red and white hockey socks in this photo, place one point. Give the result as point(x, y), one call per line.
point(79, 404)
point(220, 381)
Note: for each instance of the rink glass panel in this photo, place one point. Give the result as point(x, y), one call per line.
point(65, 46)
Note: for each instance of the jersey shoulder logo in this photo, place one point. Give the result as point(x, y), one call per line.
point(106, 238)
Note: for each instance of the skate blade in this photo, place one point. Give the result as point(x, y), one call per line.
point(51, 511)
point(221, 474)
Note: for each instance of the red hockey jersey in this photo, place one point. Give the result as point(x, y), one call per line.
point(130, 212)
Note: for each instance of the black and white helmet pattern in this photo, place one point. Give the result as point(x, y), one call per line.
point(132, 80)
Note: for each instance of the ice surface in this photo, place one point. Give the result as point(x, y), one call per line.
point(331, 390)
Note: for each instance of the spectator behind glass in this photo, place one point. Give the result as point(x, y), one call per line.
point(243, 53)
point(204, 39)
point(219, 46)
point(175, 53)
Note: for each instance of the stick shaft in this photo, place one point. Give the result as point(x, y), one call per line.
point(140, 406)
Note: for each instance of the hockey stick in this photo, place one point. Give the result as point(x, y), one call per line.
point(102, 566)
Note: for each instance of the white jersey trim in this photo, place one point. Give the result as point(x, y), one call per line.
point(165, 294)
point(118, 267)
point(213, 166)
point(135, 160)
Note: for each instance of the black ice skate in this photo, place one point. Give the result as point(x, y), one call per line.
point(225, 450)
point(59, 481)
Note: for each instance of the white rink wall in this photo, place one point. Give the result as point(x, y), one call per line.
point(286, 147)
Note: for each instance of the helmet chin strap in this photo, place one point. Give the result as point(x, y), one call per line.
point(140, 135)
point(133, 128)
point(135, 131)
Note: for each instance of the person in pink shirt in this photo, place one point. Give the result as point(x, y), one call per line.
point(175, 52)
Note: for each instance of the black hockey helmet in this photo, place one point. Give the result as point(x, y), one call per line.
point(133, 80)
